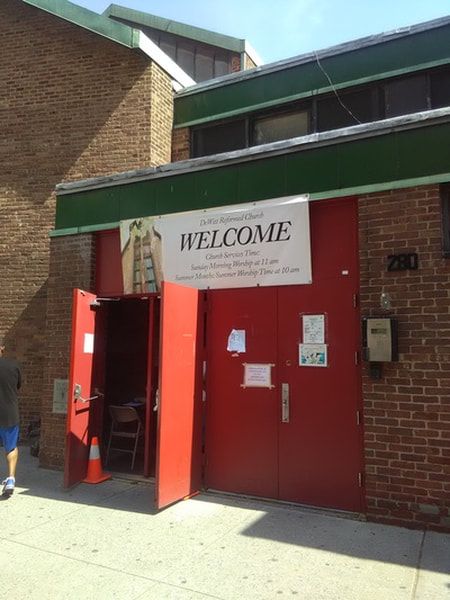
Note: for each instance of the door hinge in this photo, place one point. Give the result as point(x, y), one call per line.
point(358, 417)
point(360, 479)
point(355, 300)
point(356, 357)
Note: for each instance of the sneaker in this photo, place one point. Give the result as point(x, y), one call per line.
point(8, 486)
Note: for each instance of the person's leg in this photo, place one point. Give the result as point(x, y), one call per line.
point(11, 459)
point(10, 437)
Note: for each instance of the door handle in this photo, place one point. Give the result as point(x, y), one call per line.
point(285, 403)
point(77, 394)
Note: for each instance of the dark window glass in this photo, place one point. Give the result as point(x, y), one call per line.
point(169, 48)
point(204, 65)
point(273, 128)
point(445, 203)
point(186, 58)
point(440, 88)
point(405, 96)
point(360, 106)
point(219, 138)
point(221, 65)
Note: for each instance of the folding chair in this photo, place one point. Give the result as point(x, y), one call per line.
point(125, 424)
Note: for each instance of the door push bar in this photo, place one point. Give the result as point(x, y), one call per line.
point(77, 394)
point(285, 403)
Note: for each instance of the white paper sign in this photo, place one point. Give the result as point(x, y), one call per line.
point(88, 347)
point(312, 355)
point(236, 341)
point(245, 245)
point(313, 329)
point(257, 375)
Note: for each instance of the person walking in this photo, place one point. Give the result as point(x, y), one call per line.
point(10, 382)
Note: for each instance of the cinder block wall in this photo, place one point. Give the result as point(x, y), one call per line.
point(73, 105)
point(407, 411)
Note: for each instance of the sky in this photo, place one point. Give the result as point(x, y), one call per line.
point(279, 29)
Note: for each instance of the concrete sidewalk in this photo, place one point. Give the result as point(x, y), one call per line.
point(106, 541)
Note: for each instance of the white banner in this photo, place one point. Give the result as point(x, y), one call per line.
point(245, 245)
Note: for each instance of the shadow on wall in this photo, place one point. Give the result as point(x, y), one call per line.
point(25, 343)
point(76, 105)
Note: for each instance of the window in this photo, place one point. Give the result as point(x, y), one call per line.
point(440, 88)
point(219, 138)
point(277, 127)
point(204, 65)
point(186, 58)
point(363, 104)
point(406, 96)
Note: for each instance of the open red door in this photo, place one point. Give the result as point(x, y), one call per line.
point(80, 383)
point(178, 458)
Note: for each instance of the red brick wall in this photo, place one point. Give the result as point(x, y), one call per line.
point(407, 411)
point(73, 105)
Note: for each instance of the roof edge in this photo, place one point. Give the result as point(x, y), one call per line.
point(300, 59)
point(87, 19)
point(175, 27)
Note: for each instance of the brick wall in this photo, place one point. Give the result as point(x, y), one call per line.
point(248, 62)
point(181, 144)
point(407, 411)
point(74, 105)
point(72, 265)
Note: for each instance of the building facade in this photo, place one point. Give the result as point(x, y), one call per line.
point(84, 96)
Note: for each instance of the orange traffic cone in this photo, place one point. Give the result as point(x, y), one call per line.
point(95, 473)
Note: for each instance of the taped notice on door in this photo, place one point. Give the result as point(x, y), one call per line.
point(257, 375)
point(312, 355)
point(236, 341)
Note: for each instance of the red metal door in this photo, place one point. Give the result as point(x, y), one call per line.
point(242, 426)
point(81, 372)
point(320, 447)
point(315, 458)
point(178, 458)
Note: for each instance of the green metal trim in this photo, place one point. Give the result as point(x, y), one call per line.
point(83, 229)
point(329, 194)
point(382, 187)
point(188, 31)
point(309, 94)
point(394, 159)
point(87, 19)
point(240, 93)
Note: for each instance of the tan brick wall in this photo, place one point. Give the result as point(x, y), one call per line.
point(72, 265)
point(72, 105)
point(248, 63)
point(407, 411)
point(181, 144)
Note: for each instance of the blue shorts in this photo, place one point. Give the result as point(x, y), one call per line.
point(9, 437)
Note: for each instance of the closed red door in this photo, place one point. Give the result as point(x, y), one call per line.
point(241, 424)
point(314, 455)
point(319, 449)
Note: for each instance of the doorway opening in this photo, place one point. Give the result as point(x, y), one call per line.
point(126, 367)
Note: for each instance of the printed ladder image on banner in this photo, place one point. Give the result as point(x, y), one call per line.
point(141, 249)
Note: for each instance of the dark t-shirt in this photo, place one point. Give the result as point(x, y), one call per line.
point(10, 381)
